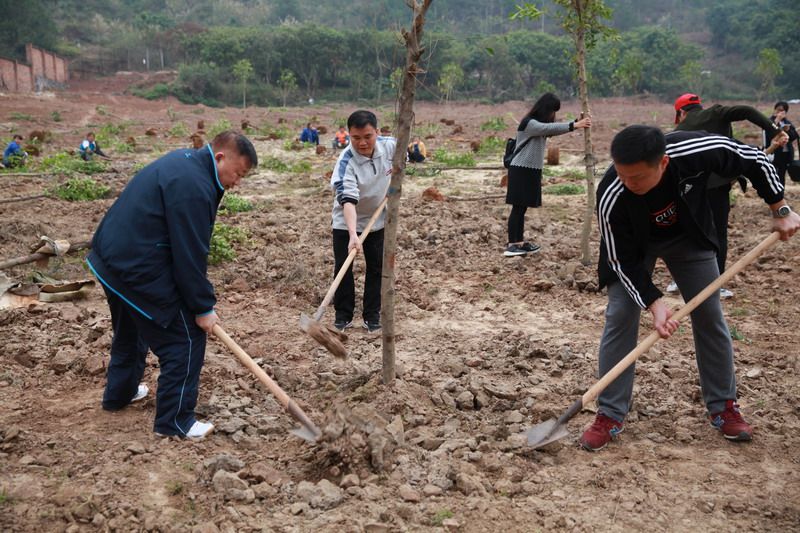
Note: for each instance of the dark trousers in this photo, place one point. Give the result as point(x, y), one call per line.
point(180, 348)
point(516, 223)
point(781, 163)
point(720, 203)
point(344, 301)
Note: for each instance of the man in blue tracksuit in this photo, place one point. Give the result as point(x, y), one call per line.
point(150, 253)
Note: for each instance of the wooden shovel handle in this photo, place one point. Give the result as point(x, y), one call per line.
point(593, 392)
point(262, 376)
point(347, 262)
point(251, 365)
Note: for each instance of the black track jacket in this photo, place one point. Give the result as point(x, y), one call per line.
point(623, 216)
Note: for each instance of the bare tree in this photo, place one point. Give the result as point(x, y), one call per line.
point(405, 118)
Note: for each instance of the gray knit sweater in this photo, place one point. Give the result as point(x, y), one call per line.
point(532, 154)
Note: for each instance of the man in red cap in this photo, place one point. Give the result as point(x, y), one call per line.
point(690, 116)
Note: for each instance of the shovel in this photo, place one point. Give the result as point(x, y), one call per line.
point(553, 430)
point(327, 337)
point(308, 430)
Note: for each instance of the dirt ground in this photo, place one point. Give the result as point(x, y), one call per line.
point(487, 346)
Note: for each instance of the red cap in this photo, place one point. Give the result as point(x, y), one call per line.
point(686, 99)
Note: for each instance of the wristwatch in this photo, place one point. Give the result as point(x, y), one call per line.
point(782, 212)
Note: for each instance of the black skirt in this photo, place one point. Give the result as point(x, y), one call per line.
point(524, 186)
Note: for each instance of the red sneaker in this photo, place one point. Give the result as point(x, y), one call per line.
point(600, 433)
point(731, 423)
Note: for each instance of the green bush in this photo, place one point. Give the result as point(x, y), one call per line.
point(494, 124)
point(64, 163)
point(159, 90)
point(233, 203)
point(222, 241)
point(564, 189)
point(274, 163)
point(81, 190)
point(56, 116)
point(16, 115)
point(218, 127)
point(492, 145)
point(179, 129)
point(440, 155)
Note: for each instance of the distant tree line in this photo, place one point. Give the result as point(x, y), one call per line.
point(300, 49)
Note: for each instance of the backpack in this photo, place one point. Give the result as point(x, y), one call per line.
point(512, 150)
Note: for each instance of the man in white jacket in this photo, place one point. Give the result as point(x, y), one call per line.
point(359, 181)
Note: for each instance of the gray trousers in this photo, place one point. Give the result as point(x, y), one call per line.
point(692, 268)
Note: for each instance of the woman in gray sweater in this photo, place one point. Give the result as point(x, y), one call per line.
point(525, 172)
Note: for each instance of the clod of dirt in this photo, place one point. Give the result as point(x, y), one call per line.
point(457, 130)
point(41, 136)
point(552, 155)
point(245, 125)
point(353, 440)
point(504, 180)
point(475, 146)
point(321, 149)
point(432, 194)
point(322, 130)
point(32, 149)
point(201, 125)
point(151, 132)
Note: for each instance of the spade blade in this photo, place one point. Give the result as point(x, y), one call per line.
point(545, 433)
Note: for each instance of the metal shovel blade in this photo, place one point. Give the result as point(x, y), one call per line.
point(546, 432)
point(305, 434)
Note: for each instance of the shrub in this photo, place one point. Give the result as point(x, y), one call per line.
point(492, 145)
point(441, 516)
point(452, 159)
point(56, 116)
point(494, 124)
point(16, 115)
point(64, 163)
point(564, 189)
point(218, 127)
point(81, 190)
point(233, 203)
point(222, 240)
point(179, 129)
point(159, 90)
point(274, 163)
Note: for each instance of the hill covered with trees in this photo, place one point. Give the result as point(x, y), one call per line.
point(282, 51)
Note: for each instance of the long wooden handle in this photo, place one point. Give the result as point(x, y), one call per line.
point(290, 405)
point(251, 365)
point(593, 392)
point(347, 262)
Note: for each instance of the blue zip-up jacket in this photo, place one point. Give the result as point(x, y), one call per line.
point(151, 248)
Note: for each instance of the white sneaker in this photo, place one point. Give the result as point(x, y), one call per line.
point(141, 393)
point(724, 294)
point(199, 430)
point(672, 288)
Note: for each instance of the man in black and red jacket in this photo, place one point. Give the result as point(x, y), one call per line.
point(653, 203)
point(691, 116)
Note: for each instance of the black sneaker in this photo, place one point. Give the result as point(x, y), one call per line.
point(530, 248)
point(513, 250)
point(372, 326)
point(342, 325)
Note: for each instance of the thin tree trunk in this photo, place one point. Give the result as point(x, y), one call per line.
point(588, 158)
point(405, 117)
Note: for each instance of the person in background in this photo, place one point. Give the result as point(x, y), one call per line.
point(14, 155)
point(150, 253)
point(525, 171)
point(359, 181)
point(89, 147)
point(309, 135)
point(783, 157)
point(416, 151)
point(341, 138)
point(691, 116)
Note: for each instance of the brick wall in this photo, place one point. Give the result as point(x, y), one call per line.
point(43, 68)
